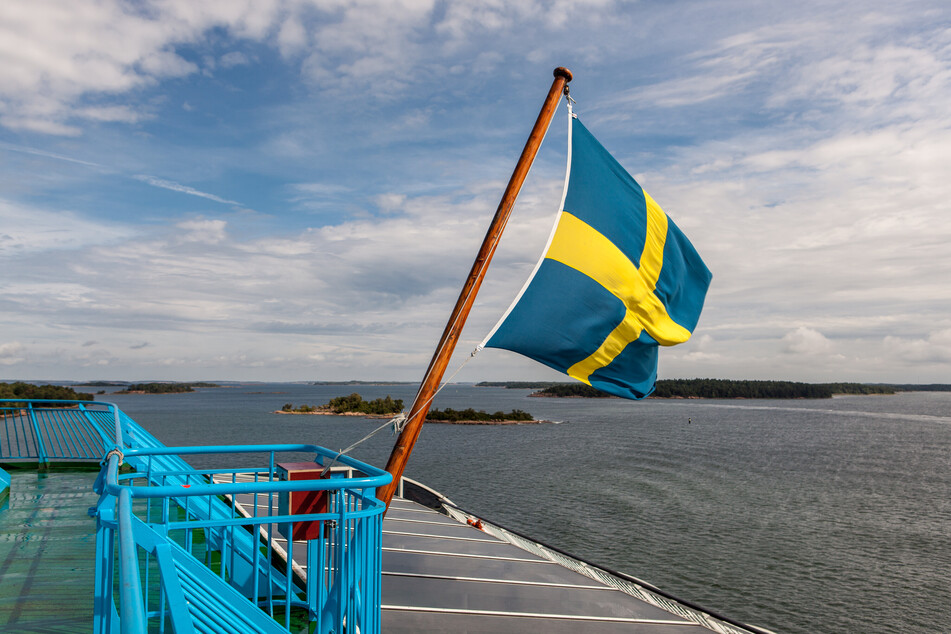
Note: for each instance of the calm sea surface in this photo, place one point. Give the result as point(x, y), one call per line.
point(798, 516)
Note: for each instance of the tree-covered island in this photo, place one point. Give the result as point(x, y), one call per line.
point(470, 416)
point(354, 405)
point(163, 388)
point(21, 389)
point(726, 389)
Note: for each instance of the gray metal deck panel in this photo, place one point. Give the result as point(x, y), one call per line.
point(483, 596)
point(481, 584)
point(440, 575)
point(429, 623)
point(395, 562)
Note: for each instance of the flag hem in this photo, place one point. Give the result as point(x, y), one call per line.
point(551, 236)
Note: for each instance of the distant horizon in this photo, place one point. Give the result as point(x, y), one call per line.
point(355, 382)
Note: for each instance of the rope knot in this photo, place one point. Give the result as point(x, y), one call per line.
point(398, 423)
point(115, 451)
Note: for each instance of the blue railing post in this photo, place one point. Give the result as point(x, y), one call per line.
point(41, 457)
point(104, 609)
point(315, 576)
point(130, 584)
point(105, 616)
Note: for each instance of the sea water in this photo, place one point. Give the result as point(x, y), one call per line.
point(798, 516)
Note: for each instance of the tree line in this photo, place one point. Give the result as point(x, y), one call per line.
point(450, 415)
point(728, 388)
point(19, 389)
point(354, 404)
point(164, 388)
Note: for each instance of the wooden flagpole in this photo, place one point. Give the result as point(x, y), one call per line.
point(450, 336)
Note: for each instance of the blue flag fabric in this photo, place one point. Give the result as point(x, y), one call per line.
point(617, 279)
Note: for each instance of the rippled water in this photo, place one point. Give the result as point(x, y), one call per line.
point(798, 516)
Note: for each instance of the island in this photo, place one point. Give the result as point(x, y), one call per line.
point(103, 383)
point(726, 389)
point(520, 385)
point(163, 388)
point(470, 416)
point(354, 405)
point(21, 389)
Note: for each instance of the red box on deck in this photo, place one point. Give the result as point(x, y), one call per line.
point(301, 502)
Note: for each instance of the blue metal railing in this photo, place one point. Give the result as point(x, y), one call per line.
point(340, 583)
point(205, 551)
point(48, 430)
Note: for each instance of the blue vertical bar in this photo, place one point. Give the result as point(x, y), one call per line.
point(67, 424)
point(103, 607)
point(256, 530)
point(38, 439)
point(6, 433)
point(56, 433)
point(341, 561)
point(130, 584)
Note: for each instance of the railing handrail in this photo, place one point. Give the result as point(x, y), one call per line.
point(24, 399)
point(374, 479)
point(53, 411)
point(273, 486)
point(278, 448)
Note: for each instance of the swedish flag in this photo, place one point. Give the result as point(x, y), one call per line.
point(617, 279)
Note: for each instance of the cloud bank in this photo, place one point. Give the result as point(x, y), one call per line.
point(295, 189)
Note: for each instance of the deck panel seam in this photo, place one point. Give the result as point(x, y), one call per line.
point(538, 615)
point(514, 582)
point(449, 537)
point(468, 555)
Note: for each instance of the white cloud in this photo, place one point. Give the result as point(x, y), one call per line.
point(804, 152)
point(234, 58)
point(53, 55)
point(11, 353)
point(807, 341)
point(697, 349)
point(109, 113)
point(292, 38)
point(390, 202)
point(61, 64)
point(205, 231)
point(25, 230)
point(936, 349)
point(200, 294)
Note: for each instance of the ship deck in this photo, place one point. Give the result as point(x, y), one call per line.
point(443, 575)
point(439, 574)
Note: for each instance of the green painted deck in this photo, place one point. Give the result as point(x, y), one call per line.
point(47, 552)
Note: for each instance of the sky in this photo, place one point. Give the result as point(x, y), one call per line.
point(292, 190)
